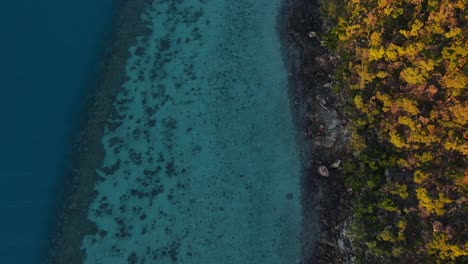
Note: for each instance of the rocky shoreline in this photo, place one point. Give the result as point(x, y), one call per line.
point(317, 110)
point(323, 135)
point(72, 222)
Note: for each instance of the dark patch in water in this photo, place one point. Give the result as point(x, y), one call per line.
point(115, 141)
point(132, 258)
point(102, 233)
point(111, 169)
point(170, 169)
point(136, 133)
point(160, 157)
point(164, 44)
point(170, 123)
point(174, 251)
point(137, 158)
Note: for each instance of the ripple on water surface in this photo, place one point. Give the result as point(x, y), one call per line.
point(201, 164)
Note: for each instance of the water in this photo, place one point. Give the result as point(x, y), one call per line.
point(49, 51)
point(201, 165)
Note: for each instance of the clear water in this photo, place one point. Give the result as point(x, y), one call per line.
point(202, 166)
point(48, 56)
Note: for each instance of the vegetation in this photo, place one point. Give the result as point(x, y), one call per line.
point(404, 75)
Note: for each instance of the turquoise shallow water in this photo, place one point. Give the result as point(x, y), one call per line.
point(201, 164)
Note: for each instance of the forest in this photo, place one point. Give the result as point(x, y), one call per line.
point(403, 83)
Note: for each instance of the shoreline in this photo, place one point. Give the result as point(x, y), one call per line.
point(297, 49)
point(77, 193)
point(321, 134)
point(293, 60)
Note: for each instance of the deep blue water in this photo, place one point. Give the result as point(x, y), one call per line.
point(48, 52)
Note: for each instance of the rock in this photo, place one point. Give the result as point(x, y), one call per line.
point(322, 63)
point(311, 116)
point(423, 213)
point(425, 236)
point(332, 124)
point(328, 242)
point(323, 171)
point(336, 164)
point(438, 227)
point(449, 231)
point(321, 100)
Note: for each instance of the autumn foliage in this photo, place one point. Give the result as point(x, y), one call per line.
point(405, 75)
